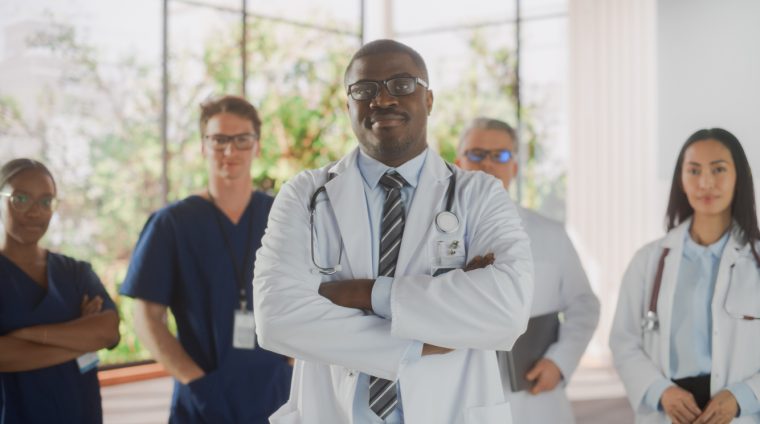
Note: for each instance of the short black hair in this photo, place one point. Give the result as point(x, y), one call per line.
point(17, 166)
point(743, 210)
point(387, 46)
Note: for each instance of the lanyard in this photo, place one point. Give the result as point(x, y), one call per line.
point(239, 272)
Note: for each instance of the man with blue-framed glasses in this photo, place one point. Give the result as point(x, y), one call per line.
point(490, 145)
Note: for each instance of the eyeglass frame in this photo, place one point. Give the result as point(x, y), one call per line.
point(208, 140)
point(417, 80)
point(53, 204)
point(493, 155)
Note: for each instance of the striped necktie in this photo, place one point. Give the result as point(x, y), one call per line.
point(382, 392)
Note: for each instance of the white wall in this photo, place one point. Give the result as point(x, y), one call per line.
point(708, 76)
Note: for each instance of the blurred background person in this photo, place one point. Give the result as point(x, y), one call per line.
point(561, 285)
point(53, 311)
point(686, 333)
point(196, 257)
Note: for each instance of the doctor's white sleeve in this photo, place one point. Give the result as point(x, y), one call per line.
point(293, 319)
point(581, 310)
point(637, 371)
point(486, 308)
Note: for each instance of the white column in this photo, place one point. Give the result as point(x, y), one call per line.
point(378, 19)
point(612, 96)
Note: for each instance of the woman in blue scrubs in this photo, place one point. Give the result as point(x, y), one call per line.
point(53, 311)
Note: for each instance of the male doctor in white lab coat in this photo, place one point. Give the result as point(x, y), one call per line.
point(376, 336)
point(490, 145)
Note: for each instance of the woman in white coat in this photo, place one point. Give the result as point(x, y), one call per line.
point(686, 334)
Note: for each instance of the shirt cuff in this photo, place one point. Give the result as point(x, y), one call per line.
point(381, 297)
point(413, 353)
point(745, 398)
point(654, 393)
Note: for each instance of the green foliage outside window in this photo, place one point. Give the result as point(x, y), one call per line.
point(108, 159)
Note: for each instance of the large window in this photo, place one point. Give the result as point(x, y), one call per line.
point(82, 88)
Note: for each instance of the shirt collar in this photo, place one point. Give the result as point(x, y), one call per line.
point(692, 250)
point(371, 169)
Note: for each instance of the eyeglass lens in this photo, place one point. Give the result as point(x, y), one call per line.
point(500, 156)
point(367, 90)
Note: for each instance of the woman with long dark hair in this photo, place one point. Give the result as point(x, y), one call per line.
point(53, 311)
point(686, 335)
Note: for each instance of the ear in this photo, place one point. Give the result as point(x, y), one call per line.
point(458, 161)
point(429, 101)
point(257, 148)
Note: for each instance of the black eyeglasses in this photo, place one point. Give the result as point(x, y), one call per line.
point(400, 86)
point(498, 155)
point(21, 202)
point(240, 141)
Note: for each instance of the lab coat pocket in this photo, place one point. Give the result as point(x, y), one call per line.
point(742, 300)
point(500, 413)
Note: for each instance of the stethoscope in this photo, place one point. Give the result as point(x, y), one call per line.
point(446, 221)
point(651, 321)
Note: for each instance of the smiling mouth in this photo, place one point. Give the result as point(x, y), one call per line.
point(386, 120)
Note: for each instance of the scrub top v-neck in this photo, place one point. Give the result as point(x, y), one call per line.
point(59, 393)
point(183, 261)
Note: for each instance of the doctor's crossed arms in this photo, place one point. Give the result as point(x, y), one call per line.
point(686, 333)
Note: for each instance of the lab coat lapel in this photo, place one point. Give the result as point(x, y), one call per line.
point(346, 194)
point(429, 199)
point(735, 247)
point(673, 241)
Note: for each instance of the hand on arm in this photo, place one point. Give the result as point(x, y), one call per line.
point(545, 376)
point(93, 331)
point(150, 325)
point(349, 293)
point(679, 405)
point(721, 409)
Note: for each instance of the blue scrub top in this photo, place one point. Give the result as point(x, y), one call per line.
point(59, 393)
point(181, 261)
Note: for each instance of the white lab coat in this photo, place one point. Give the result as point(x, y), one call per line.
point(475, 313)
point(560, 285)
point(643, 357)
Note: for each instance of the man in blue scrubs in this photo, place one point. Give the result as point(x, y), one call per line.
point(196, 257)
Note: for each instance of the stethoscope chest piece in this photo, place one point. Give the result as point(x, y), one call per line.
point(650, 322)
point(446, 222)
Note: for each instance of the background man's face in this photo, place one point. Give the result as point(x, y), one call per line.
point(390, 129)
point(230, 163)
point(489, 140)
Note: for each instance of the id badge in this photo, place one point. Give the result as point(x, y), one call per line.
point(87, 362)
point(447, 254)
point(244, 334)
